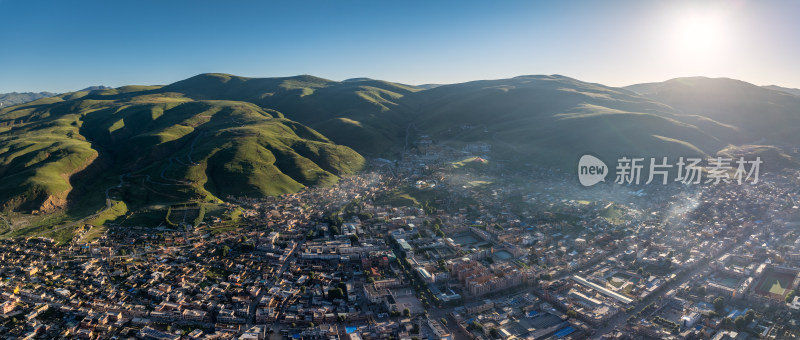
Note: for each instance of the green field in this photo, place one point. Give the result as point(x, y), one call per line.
point(775, 284)
point(410, 196)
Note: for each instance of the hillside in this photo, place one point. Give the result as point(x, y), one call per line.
point(176, 147)
point(759, 115)
point(553, 120)
point(361, 113)
point(15, 98)
point(214, 135)
point(794, 92)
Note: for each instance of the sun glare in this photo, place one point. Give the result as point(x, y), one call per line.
point(698, 34)
point(698, 38)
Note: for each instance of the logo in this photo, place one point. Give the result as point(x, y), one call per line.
point(591, 170)
point(687, 170)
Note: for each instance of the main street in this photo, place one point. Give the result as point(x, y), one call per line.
point(682, 278)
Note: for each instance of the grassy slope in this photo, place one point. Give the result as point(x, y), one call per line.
point(214, 134)
point(362, 114)
point(189, 148)
point(554, 120)
point(757, 113)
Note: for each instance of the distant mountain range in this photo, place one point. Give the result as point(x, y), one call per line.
point(791, 91)
point(16, 98)
point(215, 135)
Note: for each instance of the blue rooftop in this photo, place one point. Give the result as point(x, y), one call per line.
point(564, 332)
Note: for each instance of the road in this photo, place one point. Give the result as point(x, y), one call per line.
point(6, 222)
point(93, 216)
point(684, 277)
point(251, 314)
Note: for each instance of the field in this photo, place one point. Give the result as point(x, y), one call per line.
point(618, 279)
point(465, 239)
point(410, 196)
point(503, 255)
point(727, 281)
point(774, 284)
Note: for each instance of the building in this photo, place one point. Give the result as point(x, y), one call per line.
point(689, 320)
point(439, 330)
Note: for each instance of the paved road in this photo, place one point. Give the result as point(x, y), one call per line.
point(251, 314)
point(620, 319)
point(93, 216)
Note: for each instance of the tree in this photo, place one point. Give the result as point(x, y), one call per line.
point(343, 287)
point(700, 290)
point(727, 321)
point(406, 312)
point(310, 325)
point(750, 316)
point(477, 325)
point(225, 250)
point(719, 304)
point(571, 313)
point(790, 296)
point(354, 239)
point(740, 322)
point(335, 293)
point(494, 332)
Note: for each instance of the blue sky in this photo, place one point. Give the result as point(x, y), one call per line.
point(68, 45)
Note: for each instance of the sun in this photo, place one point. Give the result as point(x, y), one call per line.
point(699, 35)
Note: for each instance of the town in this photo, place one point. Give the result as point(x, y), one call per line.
point(445, 243)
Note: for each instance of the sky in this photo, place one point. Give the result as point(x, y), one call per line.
point(62, 46)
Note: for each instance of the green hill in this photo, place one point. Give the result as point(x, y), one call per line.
point(553, 120)
point(214, 135)
point(360, 113)
point(759, 115)
point(177, 147)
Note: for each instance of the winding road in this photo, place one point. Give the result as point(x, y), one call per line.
point(90, 217)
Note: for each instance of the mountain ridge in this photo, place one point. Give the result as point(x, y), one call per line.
point(213, 135)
